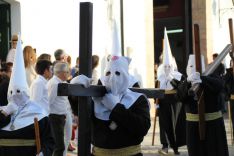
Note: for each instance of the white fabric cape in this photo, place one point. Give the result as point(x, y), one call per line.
point(26, 116)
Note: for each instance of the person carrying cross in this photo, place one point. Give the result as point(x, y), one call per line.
point(121, 118)
point(214, 142)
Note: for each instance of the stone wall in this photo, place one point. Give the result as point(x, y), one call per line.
point(201, 15)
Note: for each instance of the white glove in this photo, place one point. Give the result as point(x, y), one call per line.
point(40, 154)
point(194, 78)
point(82, 79)
point(110, 100)
point(11, 108)
point(169, 77)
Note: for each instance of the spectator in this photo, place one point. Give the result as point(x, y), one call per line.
point(75, 70)
point(220, 70)
point(11, 53)
point(38, 89)
point(68, 125)
point(4, 83)
point(60, 55)
point(69, 64)
point(29, 63)
point(44, 56)
point(95, 63)
point(59, 106)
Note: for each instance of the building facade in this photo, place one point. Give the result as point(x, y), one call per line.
point(49, 25)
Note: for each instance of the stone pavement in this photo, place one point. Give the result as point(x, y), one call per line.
point(149, 150)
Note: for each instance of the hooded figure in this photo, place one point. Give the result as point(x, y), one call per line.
point(18, 90)
point(116, 81)
point(171, 112)
point(168, 69)
point(215, 141)
point(121, 118)
point(17, 118)
point(193, 76)
point(116, 52)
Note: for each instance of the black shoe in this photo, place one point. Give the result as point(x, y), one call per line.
point(176, 152)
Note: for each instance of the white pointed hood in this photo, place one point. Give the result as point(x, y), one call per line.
point(168, 66)
point(116, 44)
point(168, 59)
point(18, 80)
point(116, 79)
point(191, 66)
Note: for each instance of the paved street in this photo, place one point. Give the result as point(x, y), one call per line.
point(150, 150)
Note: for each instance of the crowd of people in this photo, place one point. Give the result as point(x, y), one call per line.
point(41, 77)
point(30, 91)
point(121, 118)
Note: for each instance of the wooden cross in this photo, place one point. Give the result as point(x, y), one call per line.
point(195, 89)
point(85, 55)
point(201, 105)
point(84, 94)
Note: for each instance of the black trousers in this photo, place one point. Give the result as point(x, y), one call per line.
point(167, 136)
point(57, 123)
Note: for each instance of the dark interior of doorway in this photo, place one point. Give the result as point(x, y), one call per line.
point(175, 30)
point(174, 15)
point(5, 29)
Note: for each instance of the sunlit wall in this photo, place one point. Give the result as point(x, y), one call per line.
point(51, 24)
point(222, 10)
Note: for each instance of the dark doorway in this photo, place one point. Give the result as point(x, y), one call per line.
point(5, 29)
point(175, 15)
point(176, 38)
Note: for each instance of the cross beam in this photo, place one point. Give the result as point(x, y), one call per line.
point(65, 89)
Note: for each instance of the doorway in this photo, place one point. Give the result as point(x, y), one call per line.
point(175, 15)
point(5, 29)
point(175, 34)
